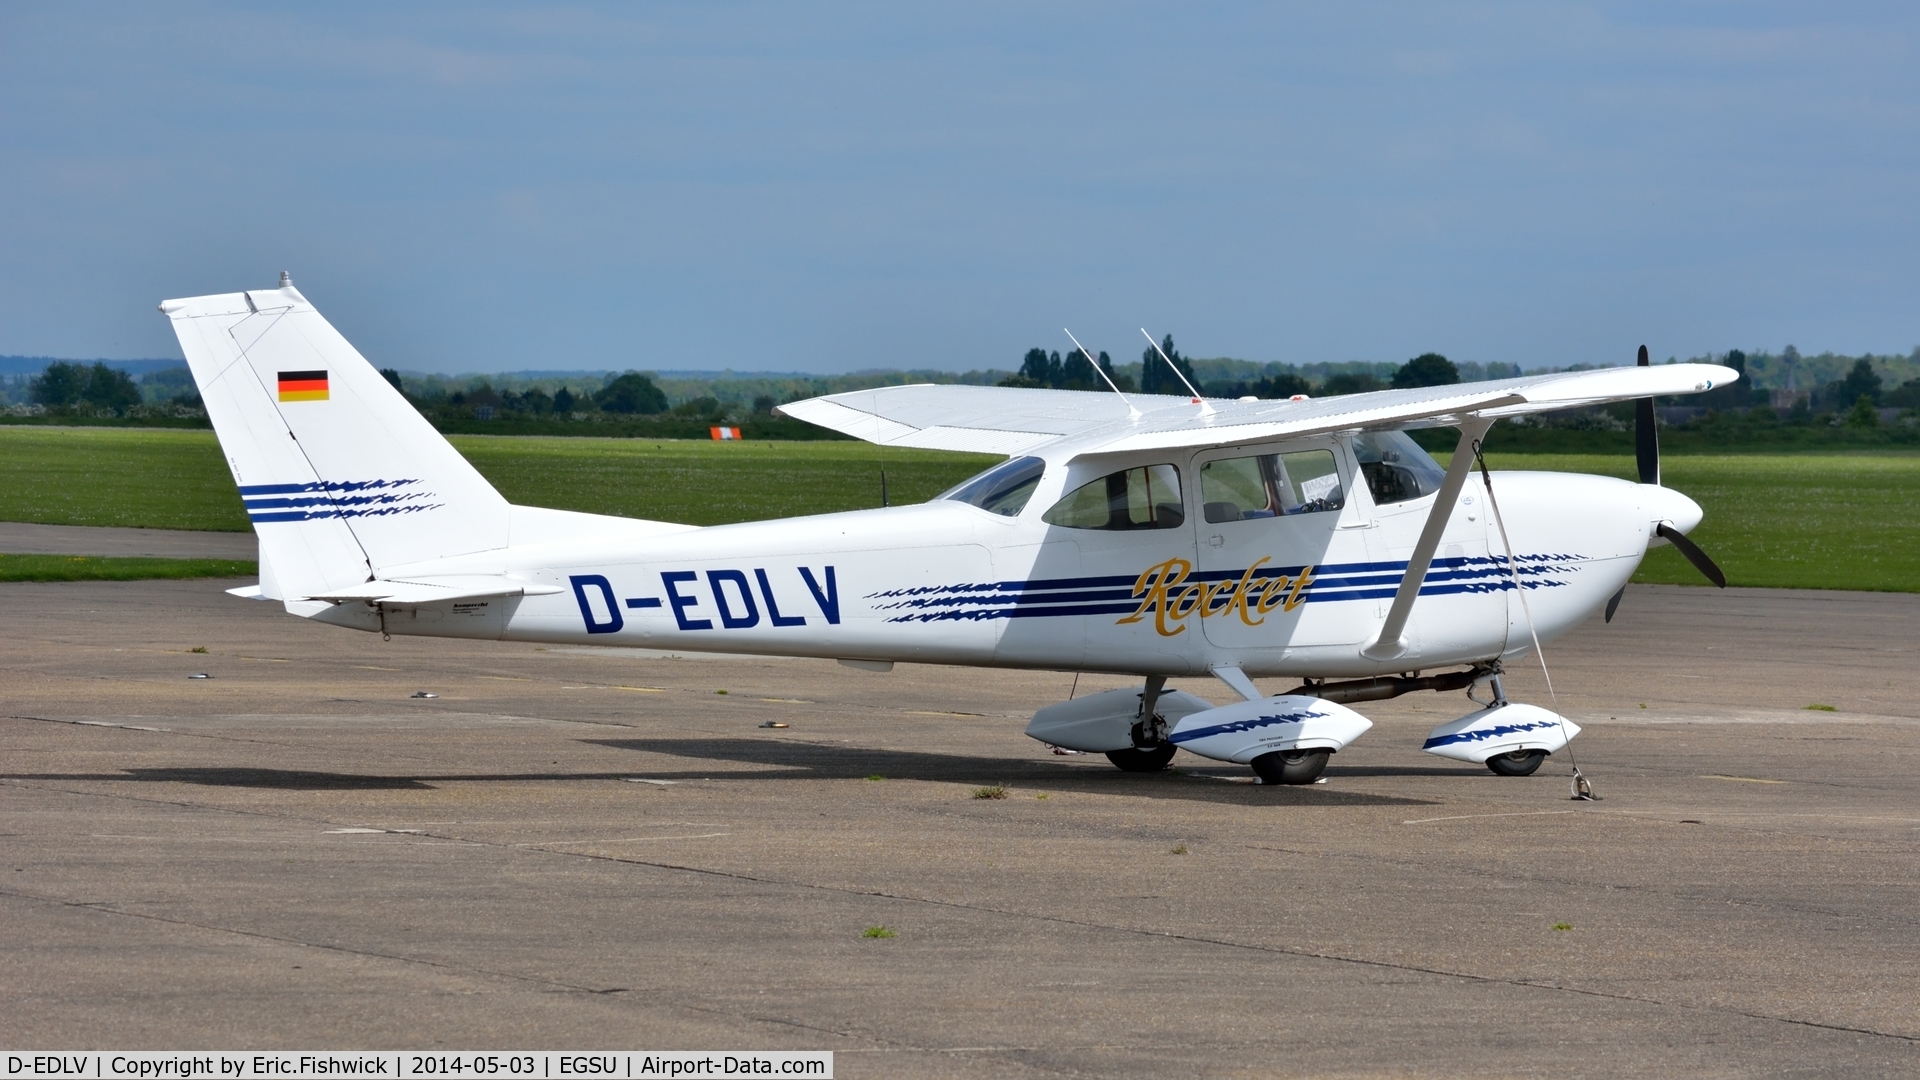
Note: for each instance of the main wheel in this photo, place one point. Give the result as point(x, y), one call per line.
point(1291, 766)
point(1143, 758)
point(1517, 762)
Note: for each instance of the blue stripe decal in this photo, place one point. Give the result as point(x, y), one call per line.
point(1473, 735)
point(334, 499)
point(1114, 595)
point(1235, 726)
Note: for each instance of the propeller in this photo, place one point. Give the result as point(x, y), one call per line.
point(1646, 452)
point(1693, 553)
point(1646, 440)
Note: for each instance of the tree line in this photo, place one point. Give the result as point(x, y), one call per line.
point(1040, 369)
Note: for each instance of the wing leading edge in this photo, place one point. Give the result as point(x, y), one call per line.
point(1006, 420)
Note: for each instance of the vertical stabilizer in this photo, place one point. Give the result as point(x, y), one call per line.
point(340, 474)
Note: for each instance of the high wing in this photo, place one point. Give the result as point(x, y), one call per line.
point(1006, 420)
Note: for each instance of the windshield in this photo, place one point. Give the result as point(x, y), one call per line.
point(1396, 469)
point(1003, 489)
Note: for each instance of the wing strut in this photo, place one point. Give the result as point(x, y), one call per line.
point(1390, 644)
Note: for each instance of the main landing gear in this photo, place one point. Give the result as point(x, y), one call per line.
point(1288, 738)
point(1151, 751)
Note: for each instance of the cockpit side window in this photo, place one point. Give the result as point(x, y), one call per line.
point(1397, 470)
point(1270, 485)
point(1142, 498)
point(1003, 489)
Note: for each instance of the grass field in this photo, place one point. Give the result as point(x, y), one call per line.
point(98, 568)
point(1826, 521)
point(1835, 521)
point(709, 483)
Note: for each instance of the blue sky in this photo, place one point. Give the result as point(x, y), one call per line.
point(477, 187)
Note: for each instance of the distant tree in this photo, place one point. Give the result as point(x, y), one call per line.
point(1904, 396)
point(484, 395)
point(1859, 382)
point(1498, 370)
point(1730, 395)
point(536, 401)
point(700, 408)
point(1863, 414)
point(1427, 369)
point(61, 384)
point(1040, 368)
point(563, 401)
point(631, 393)
point(1358, 383)
point(1157, 378)
point(1076, 373)
point(763, 405)
point(392, 376)
point(1283, 385)
point(64, 384)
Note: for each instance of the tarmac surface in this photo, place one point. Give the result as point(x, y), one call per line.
point(21, 538)
point(595, 849)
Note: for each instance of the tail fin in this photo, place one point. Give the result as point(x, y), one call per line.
point(340, 475)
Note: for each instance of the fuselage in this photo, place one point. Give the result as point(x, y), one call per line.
point(1279, 559)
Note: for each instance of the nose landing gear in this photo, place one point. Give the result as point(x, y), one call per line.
point(1517, 762)
point(1291, 766)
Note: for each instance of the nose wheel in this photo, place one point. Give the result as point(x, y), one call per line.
point(1517, 762)
point(1291, 766)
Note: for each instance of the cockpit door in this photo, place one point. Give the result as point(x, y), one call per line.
point(1271, 550)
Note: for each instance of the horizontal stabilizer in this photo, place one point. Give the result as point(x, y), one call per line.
point(438, 590)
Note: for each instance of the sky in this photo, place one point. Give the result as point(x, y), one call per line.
point(483, 187)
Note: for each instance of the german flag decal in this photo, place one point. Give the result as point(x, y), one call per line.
point(303, 386)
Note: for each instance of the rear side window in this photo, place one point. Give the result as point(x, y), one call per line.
point(1270, 485)
point(1003, 489)
point(1142, 498)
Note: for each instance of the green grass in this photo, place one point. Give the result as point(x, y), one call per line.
point(151, 478)
point(1807, 521)
point(99, 568)
point(709, 483)
point(160, 479)
point(1813, 520)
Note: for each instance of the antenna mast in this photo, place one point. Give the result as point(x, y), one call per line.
point(1181, 375)
point(1132, 413)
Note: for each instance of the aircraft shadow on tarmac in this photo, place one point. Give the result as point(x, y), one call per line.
point(794, 759)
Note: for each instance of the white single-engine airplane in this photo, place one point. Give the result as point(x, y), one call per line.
point(1138, 535)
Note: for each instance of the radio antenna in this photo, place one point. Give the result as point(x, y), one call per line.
point(1181, 375)
point(1132, 413)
